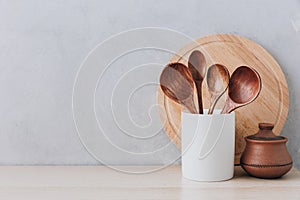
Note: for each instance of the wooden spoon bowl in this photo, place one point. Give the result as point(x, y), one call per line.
point(217, 82)
point(244, 87)
point(177, 83)
point(197, 67)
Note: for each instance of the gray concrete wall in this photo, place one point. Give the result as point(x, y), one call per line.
point(42, 44)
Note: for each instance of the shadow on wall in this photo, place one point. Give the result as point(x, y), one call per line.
point(290, 129)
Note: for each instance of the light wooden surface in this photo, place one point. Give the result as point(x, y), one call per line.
point(233, 51)
point(99, 182)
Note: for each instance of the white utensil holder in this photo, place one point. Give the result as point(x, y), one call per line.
point(208, 146)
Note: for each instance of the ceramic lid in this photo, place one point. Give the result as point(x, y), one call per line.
point(265, 133)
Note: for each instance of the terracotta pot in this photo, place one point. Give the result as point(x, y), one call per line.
point(266, 155)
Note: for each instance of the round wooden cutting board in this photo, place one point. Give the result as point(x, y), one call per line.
point(234, 51)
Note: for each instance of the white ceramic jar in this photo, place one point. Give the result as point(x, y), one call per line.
point(208, 146)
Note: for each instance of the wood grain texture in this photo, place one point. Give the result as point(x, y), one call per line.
point(233, 51)
point(100, 182)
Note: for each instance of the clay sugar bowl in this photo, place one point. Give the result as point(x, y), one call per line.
point(266, 155)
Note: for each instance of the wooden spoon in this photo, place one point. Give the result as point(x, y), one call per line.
point(177, 83)
point(197, 67)
point(244, 87)
point(217, 82)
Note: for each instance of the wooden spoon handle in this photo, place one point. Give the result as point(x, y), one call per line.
point(229, 106)
point(199, 95)
point(213, 102)
point(190, 105)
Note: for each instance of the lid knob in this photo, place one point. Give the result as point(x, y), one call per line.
point(266, 126)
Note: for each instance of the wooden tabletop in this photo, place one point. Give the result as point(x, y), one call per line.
point(99, 182)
